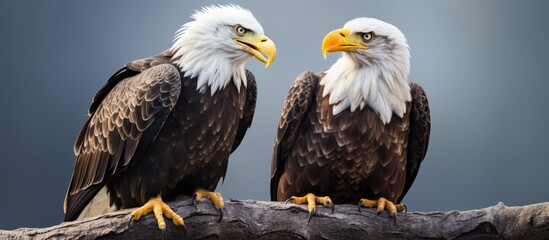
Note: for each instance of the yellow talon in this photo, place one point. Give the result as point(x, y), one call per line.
point(215, 197)
point(382, 204)
point(160, 209)
point(311, 201)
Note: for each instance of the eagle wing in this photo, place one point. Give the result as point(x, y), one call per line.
point(249, 109)
point(126, 115)
point(297, 104)
point(418, 140)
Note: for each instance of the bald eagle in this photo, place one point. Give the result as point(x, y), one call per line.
point(164, 126)
point(356, 132)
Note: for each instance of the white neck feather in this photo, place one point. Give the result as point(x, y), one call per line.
point(212, 63)
point(383, 87)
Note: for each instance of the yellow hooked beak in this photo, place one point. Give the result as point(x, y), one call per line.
point(340, 40)
point(257, 46)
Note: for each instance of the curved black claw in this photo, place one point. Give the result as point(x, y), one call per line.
point(359, 205)
point(377, 213)
point(130, 221)
point(163, 233)
point(405, 208)
point(194, 201)
point(184, 230)
point(395, 219)
point(331, 205)
point(220, 214)
point(287, 200)
point(311, 213)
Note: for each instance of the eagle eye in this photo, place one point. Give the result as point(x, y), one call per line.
point(368, 36)
point(239, 30)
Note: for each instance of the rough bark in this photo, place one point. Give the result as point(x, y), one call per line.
point(250, 219)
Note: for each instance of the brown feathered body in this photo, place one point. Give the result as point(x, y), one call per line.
point(350, 155)
point(152, 132)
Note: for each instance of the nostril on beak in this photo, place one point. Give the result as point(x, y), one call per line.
point(343, 35)
point(263, 40)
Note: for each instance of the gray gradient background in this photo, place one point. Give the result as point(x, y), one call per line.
point(483, 65)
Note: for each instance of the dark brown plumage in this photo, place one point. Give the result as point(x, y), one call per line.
point(152, 132)
point(349, 156)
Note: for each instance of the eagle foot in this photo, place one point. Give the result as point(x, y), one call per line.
point(382, 204)
point(312, 200)
point(160, 209)
point(215, 197)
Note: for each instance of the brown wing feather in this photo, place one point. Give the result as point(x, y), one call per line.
point(131, 69)
point(121, 125)
point(249, 109)
point(418, 141)
point(297, 104)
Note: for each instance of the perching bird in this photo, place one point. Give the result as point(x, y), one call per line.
point(164, 126)
point(356, 132)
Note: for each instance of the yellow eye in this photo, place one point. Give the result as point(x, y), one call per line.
point(239, 30)
point(367, 36)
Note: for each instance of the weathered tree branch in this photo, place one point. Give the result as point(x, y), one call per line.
point(268, 220)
